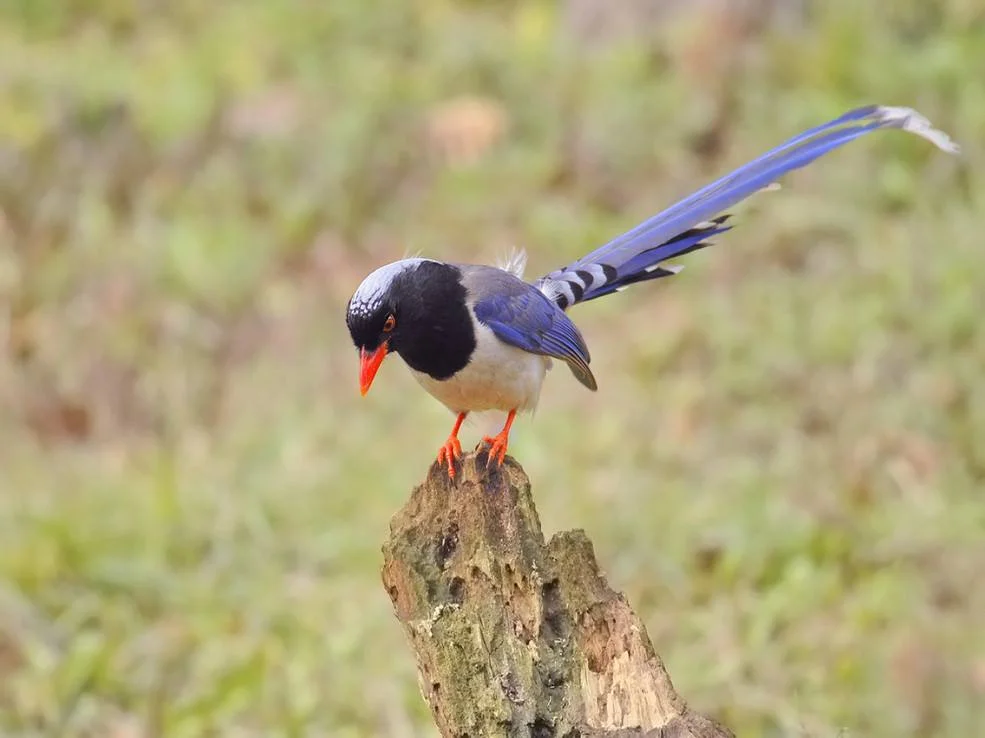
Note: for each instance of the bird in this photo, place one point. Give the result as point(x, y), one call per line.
point(481, 338)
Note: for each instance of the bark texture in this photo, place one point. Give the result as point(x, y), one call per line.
point(514, 636)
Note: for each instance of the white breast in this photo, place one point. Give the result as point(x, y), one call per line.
point(499, 377)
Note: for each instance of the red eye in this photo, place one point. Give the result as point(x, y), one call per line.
point(390, 324)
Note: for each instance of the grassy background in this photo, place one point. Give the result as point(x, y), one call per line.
point(783, 468)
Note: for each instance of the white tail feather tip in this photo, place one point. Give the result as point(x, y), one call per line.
point(672, 268)
point(913, 122)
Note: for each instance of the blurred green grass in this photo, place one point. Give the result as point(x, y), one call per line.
point(782, 469)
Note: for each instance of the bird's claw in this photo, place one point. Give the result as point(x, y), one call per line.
point(497, 449)
point(449, 453)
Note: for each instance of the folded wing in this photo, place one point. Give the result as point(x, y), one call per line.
point(522, 316)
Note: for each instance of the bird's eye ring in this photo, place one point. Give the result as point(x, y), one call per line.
point(390, 323)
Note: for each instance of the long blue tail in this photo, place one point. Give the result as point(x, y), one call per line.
point(637, 255)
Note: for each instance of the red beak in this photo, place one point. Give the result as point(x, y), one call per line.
point(369, 364)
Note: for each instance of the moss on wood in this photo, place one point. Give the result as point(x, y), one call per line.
point(515, 636)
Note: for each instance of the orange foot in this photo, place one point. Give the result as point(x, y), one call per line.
point(450, 453)
point(499, 443)
point(451, 450)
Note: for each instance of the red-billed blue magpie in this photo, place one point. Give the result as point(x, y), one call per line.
point(480, 338)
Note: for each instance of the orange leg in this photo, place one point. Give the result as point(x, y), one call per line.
point(452, 449)
point(497, 445)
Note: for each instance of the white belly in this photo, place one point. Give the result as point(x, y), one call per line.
point(499, 377)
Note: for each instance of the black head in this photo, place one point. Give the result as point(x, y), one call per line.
point(415, 308)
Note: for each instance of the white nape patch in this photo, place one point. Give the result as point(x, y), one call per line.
point(911, 121)
point(515, 262)
point(369, 294)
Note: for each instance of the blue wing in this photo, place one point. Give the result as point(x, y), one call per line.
point(636, 255)
point(524, 317)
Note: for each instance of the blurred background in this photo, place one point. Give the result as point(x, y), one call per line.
point(783, 468)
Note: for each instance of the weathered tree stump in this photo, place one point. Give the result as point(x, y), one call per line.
point(515, 637)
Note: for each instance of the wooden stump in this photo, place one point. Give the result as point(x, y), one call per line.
point(515, 637)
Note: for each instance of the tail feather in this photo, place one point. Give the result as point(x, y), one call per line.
point(636, 255)
point(649, 264)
